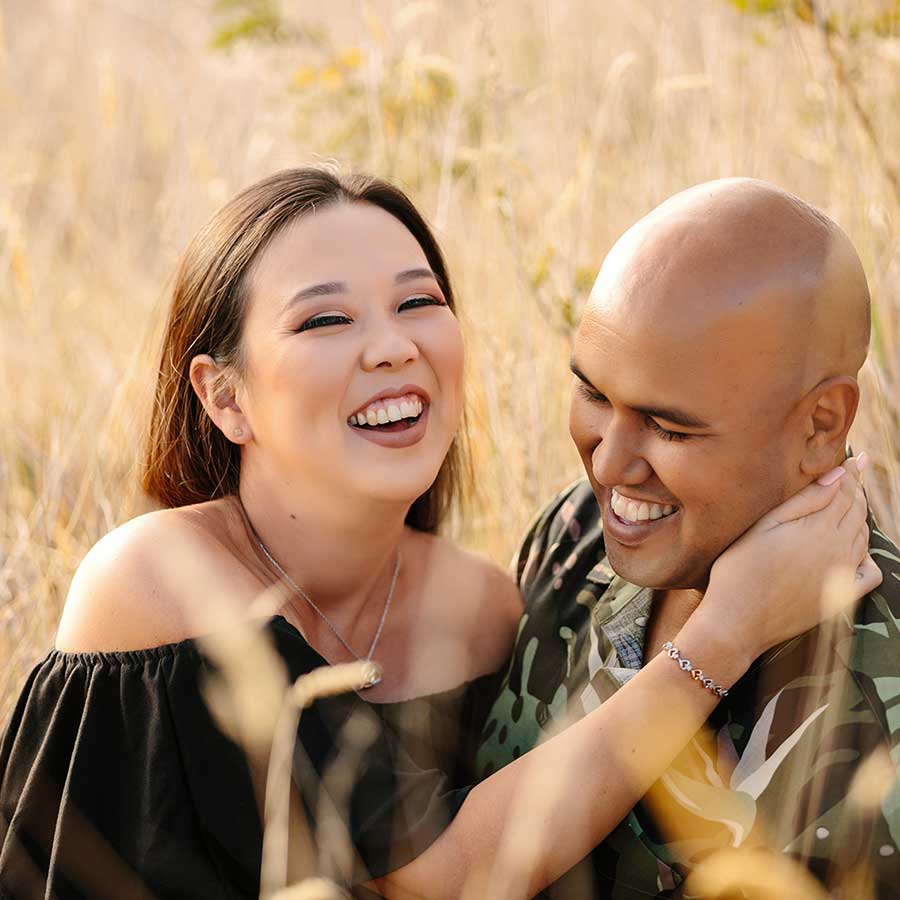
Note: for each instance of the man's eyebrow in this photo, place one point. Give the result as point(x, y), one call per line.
point(675, 416)
point(580, 375)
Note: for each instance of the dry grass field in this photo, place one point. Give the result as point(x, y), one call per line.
point(531, 132)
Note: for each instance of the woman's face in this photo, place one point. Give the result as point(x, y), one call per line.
point(354, 361)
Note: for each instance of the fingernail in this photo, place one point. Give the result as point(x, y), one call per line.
point(862, 460)
point(832, 476)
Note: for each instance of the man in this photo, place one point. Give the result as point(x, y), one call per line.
point(715, 375)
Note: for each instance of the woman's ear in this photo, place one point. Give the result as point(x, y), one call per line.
point(215, 388)
point(831, 407)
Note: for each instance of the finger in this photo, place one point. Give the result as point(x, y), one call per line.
point(837, 489)
point(855, 514)
point(868, 577)
point(860, 549)
point(853, 466)
point(842, 504)
point(812, 499)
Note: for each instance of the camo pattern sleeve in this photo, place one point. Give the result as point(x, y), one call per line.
point(803, 758)
point(866, 818)
point(563, 547)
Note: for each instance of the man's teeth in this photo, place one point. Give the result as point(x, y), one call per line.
point(639, 511)
point(383, 411)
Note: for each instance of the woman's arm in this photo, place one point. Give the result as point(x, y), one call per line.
point(561, 799)
point(533, 820)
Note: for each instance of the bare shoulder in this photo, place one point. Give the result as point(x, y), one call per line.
point(132, 590)
point(483, 599)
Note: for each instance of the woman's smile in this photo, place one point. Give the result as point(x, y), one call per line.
point(395, 417)
point(405, 432)
point(391, 406)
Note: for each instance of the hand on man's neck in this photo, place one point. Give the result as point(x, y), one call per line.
point(668, 614)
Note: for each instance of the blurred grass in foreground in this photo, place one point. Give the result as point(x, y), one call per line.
point(531, 136)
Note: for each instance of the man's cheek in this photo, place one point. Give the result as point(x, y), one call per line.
point(704, 531)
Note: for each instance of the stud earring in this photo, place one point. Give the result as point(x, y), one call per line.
point(238, 432)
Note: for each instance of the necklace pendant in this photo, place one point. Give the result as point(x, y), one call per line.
point(372, 675)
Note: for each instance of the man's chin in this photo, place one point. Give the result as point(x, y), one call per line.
point(655, 574)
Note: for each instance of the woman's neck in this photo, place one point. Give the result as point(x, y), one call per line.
point(341, 552)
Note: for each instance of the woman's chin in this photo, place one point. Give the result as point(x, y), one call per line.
point(389, 489)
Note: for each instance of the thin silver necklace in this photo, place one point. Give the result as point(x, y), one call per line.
point(374, 672)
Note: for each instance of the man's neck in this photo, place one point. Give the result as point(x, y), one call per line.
point(669, 612)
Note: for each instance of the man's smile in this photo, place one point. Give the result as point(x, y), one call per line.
point(632, 511)
point(630, 522)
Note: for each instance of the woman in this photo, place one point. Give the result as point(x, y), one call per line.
point(306, 435)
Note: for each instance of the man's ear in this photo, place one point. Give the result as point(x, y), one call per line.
point(829, 411)
point(215, 388)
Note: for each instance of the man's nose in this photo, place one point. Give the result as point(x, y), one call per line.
point(388, 346)
point(618, 457)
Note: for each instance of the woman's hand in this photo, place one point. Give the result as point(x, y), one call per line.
point(768, 585)
point(763, 590)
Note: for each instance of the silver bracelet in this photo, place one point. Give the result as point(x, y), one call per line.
point(697, 674)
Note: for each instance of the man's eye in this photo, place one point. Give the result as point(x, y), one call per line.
point(322, 321)
point(664, 433)
point(422, 300)
point(588, 394)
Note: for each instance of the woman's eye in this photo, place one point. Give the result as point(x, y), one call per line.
point(423, 300)
point(664, 433)
point(322, 321)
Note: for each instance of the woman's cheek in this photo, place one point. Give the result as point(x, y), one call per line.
point(447, 352)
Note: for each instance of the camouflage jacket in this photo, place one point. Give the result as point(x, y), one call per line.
point(774, 765)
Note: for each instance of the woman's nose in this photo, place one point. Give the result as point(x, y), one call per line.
point(388, 346)
point(617, 458)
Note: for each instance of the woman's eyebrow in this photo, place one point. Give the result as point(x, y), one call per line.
point(413, 274)
point(327, 288)
point(317, 290)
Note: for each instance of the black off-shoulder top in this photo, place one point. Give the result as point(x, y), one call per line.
point(116, 782)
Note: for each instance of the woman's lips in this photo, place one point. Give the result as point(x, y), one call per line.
point(395, 434)
point(407, 391)
point(389, 409)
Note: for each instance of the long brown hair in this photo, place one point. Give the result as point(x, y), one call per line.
point(188, 459)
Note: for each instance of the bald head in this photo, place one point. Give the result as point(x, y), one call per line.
point(741, 262)
point(715, 372)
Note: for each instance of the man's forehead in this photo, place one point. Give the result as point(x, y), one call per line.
point(727, 292)
point(712, 372)
point(637, 322)
point(614, 351)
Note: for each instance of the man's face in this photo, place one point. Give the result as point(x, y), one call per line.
point(686, 432)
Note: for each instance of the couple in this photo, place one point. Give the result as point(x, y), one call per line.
point(305, 435)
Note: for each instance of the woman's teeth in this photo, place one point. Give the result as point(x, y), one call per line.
point(634, 511)
point(384, 411)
